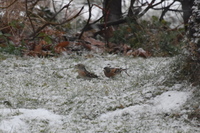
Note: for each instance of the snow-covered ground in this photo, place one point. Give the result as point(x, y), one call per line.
point(44, 95)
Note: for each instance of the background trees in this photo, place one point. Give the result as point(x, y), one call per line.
point(112, 10)
point(29, 25)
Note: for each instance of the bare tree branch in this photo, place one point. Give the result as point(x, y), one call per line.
point(120, 21)
point(70, 19)
point(89, 17)
point(149, 7)
point(28, 15)
point(33, 4)
point(35, 34)
point(165, 10)
point(54, 7)
point(130, 12)
point(9, 5)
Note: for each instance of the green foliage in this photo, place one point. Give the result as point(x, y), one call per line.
point(10, 39)
point(47, 38)
point(3, 37)
point(16, 24)
point(154, 36)
point(11, 49)
point(9, 46)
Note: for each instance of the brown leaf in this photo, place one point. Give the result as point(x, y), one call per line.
point(38, 48)
point(141, 52)
point(42, 42)
point(36, 54)
point(91, 44)
point(93, 41)
point(59, 48)
point(126, 48)
point(3, 45)
point(128, 53)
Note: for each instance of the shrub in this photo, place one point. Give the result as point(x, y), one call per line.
point(155, 36)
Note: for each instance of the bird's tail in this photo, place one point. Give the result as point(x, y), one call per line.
point(125, 70)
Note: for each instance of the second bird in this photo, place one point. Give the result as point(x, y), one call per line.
point(83, 73)
point(112, 72)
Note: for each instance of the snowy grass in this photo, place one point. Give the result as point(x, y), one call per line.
point(43, 95)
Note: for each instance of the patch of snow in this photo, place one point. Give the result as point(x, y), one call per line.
point(170, 101)
point(20, 119)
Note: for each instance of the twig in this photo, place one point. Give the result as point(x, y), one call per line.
point(130, 12)
point(149, 7)
point(69, 18)
point(54, 7)
point(28, 15)
point(31, 7)
point(35, 34)
point(165, 10)
point(9, 5)
point(89, 17)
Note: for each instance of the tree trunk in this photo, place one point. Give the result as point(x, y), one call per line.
point(112, 10)
point(194, 31)
point(187, 10)
point(193, 62)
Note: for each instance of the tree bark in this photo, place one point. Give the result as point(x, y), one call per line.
point(112, 10)
point(194, 31)
point(187, 10)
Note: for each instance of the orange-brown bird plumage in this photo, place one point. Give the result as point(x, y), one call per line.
point(112, 72)
point(83, 73)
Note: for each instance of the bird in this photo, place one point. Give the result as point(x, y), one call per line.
point(112, 72)
point(84, 73)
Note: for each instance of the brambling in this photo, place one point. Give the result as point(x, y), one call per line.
point(83, 73)
point(112, 72)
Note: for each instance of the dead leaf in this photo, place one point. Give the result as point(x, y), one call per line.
point(126, 48)
point(129, 53)
point(141, 53)
point(38, 48)
point(95, 42)
point(61, 47)
point(42, 42)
